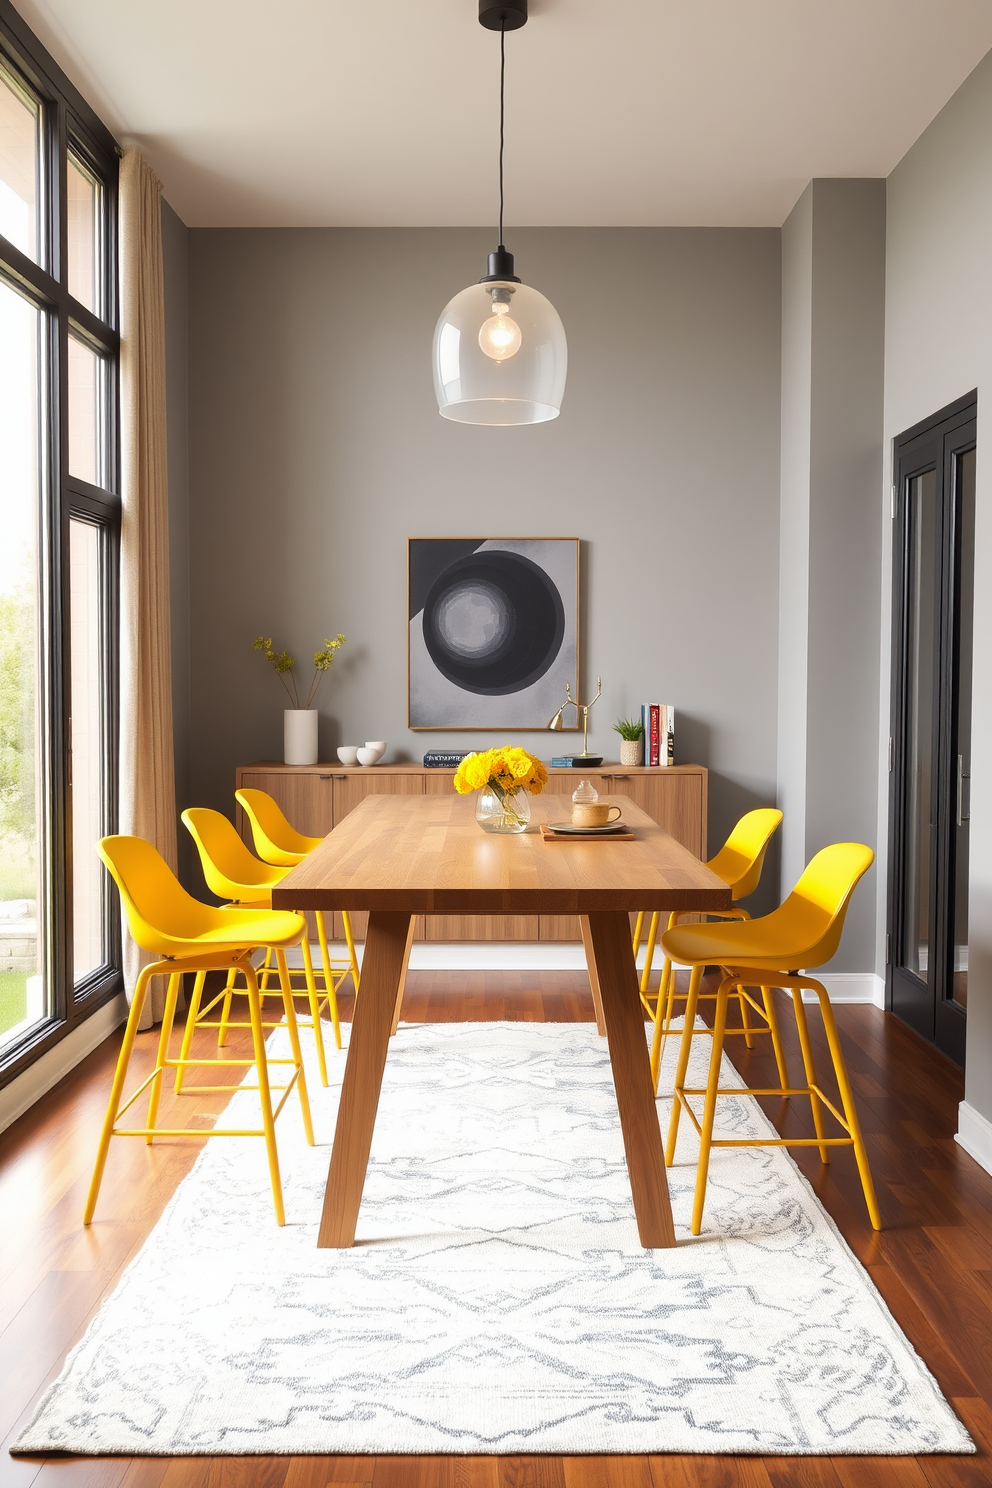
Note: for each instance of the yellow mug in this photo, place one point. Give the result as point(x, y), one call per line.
point(594, 813)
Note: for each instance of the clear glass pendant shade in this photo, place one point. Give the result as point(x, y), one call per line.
point(500, 356)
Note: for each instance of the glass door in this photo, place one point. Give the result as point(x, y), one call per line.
point(930, 747)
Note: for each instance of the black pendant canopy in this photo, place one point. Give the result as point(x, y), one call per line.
point(509, 16)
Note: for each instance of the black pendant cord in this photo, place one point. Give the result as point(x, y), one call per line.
point(502, 76)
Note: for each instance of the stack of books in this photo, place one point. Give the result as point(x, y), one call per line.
point(658, 720)
point(444, 759)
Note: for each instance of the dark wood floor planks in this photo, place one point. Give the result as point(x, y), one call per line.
point(932, 1263)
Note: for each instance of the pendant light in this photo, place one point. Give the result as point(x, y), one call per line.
point(499, 347)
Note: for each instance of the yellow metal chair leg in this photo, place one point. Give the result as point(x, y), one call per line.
point(352, 956)
point(638, 932)
point(120, 1075)
point(325, 957)
point(663, 1011)
point(649, 952)
point(226, 1009)
point(294, 1043)
point(847, 1100)
point(190, 1029)
point(318, 1030)
point(709, 1106)
point(685, 1046)
point(810, 1068)
point(265, 973)
point(745, 1021)
point(264, 1093)
point(768, 998)
point(168, 1018)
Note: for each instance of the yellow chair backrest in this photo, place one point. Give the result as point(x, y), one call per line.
point(741, 858)
point(805, 930)
point(161, 916)
point(276, 840)
point(228, 867)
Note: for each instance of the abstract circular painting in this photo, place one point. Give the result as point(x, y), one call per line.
point(493, 630)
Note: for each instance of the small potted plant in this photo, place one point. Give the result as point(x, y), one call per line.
point(299, 723)
point(631, 733)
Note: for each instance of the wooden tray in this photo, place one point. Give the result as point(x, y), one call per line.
point(550, 836)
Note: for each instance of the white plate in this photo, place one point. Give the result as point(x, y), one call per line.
point(613, 826)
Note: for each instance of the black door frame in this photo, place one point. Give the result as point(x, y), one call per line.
point(934, 444)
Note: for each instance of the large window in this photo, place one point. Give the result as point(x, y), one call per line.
point(59, 541)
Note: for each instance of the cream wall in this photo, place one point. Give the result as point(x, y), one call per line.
point(316, 449)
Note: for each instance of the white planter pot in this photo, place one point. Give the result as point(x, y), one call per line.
point(299, 736)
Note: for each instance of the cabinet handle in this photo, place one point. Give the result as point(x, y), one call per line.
point(618, 777)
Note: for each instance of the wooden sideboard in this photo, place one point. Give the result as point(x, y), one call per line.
point(316, 798)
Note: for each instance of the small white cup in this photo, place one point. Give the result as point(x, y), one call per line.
point(367, 756)
point(348, 754)
point(379, 744)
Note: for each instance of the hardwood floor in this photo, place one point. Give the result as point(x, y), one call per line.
point(932, 1263)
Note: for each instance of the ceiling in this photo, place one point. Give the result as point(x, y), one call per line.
point(620, 112)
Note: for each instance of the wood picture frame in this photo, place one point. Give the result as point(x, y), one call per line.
point(492, 631)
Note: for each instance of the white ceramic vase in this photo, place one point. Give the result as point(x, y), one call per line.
point(299, 736)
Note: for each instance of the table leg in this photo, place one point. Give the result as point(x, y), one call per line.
point(382, 970)
point(597, 996)
point(624, 1018)
point(402, 986)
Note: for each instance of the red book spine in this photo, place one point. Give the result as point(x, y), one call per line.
point(654, 755)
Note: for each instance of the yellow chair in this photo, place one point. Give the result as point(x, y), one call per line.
point(739, 863)
point(235, 874)
point(188, 936)
point(277, 841)
point(805, 931)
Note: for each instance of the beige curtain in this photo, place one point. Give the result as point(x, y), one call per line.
point(147, 774)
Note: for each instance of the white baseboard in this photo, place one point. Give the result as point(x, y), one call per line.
point(974, 1134)
point(851, 986)
point(21, 1094)
point(490, 955)
point(502, 955)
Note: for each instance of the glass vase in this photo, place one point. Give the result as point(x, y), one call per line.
point(503, 811)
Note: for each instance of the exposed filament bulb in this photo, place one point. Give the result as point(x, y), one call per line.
point(499, 336)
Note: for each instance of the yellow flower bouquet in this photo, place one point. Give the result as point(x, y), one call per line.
point(504, 777)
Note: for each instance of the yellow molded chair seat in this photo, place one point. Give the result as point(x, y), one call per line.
point(803, 932)
point(189, 936)
point(234, 873)
point(277, 841)
point(739, 863)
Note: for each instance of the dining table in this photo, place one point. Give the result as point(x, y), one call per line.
point(402, 856)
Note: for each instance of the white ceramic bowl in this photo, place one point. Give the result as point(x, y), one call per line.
point(379, 744)
point(348, 754)
point(368, 756)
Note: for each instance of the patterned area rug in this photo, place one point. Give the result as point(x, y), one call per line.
point(498, 1300)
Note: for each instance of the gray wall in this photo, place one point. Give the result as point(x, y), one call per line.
point(316, 449)
point(938, 347)
point(175, 237)
point(833, 273)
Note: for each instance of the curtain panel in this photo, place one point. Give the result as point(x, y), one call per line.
point(147, 771)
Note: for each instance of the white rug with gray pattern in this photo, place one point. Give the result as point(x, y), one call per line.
point(498, 1300)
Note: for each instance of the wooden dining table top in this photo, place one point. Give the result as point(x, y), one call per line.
point(428, 855)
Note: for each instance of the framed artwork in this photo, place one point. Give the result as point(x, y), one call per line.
point(493, 630)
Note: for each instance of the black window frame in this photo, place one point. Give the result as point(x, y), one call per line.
point(68, 122)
